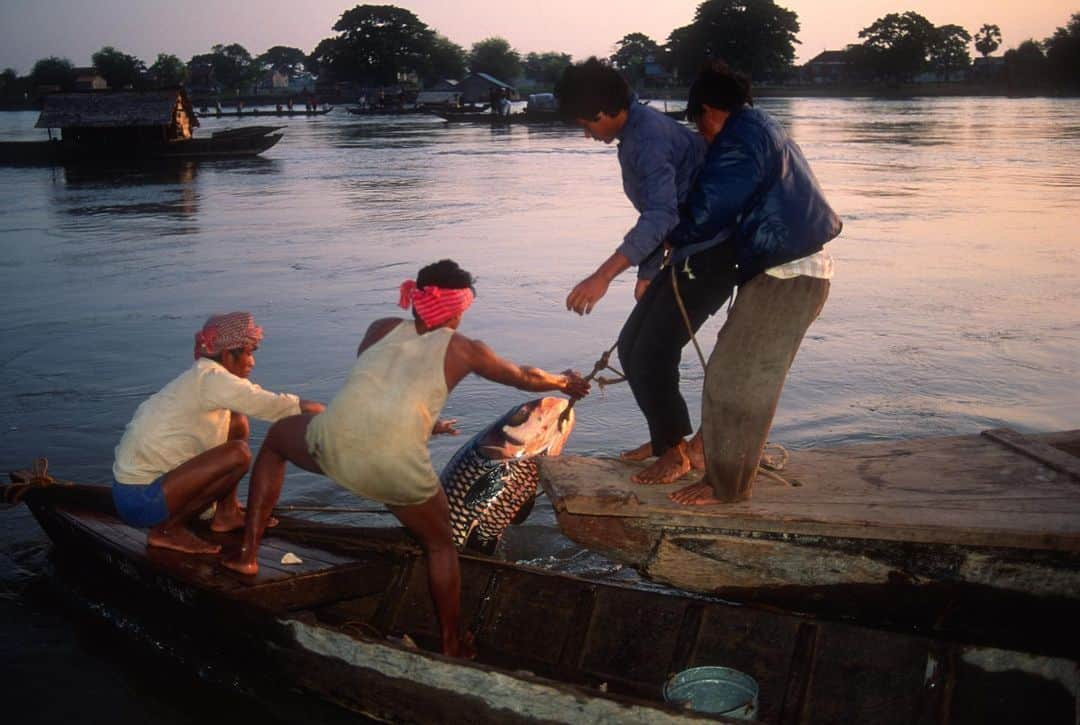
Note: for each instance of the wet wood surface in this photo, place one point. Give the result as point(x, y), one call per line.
point(554, 644)
point(967, 490)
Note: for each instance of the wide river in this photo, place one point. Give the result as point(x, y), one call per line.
point(955, 306)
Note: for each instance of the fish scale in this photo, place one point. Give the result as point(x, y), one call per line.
point(486, 495)
point(508, 486)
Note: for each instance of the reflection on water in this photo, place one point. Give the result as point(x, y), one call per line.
point(953, 308)
point(957, 226)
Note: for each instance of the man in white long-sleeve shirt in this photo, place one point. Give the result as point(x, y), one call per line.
point(186, 447)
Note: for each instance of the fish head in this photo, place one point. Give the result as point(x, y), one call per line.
point(536, 428)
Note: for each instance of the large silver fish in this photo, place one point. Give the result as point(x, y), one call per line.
point(491, 482)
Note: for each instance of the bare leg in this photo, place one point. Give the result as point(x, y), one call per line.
point(638, 454)
point(284, 442)
point(228, 515)
point(430, 523)
point(191, 487)
point(672, 465)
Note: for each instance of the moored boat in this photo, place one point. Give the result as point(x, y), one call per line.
point(257, 112)
point(970, 537)
point(553, 648)
point(130, 125)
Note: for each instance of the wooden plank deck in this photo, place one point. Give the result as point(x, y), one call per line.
point(966, 490)
point(948, 535)
point(322, 577)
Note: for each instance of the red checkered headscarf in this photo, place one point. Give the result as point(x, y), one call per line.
point(435, 305)
point(227, 332)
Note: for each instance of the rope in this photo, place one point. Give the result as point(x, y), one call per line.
point(37, 477)
point(685, 315)
point(602, 363)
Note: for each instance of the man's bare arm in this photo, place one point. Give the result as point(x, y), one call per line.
point(482, 360)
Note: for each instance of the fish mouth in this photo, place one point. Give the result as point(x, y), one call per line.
point(533, 429)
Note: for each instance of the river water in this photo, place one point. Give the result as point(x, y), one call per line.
point(955, 306)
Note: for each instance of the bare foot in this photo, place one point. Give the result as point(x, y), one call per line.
point(696, 494)
point(249, 568)
point(464, 648)
point(695, 451)
point(180, 539)
point(225, 521)
point(638, 454)
point(227, 518)
point(670, 467)
point(270, 522)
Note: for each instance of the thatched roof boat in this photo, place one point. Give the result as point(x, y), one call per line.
point(127, 125)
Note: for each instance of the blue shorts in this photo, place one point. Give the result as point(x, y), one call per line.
point(138, 505)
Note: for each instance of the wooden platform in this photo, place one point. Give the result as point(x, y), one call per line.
point(993, 517)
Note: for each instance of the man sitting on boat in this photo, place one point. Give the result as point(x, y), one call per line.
point(372, 439)
point(186, 447)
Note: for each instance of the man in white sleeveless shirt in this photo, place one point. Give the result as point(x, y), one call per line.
point(372, 439)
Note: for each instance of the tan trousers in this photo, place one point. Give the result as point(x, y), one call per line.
point(746, 372)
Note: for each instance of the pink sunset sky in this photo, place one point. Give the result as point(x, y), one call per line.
point(33, 29)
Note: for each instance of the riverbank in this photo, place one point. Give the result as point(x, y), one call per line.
point(864, 90)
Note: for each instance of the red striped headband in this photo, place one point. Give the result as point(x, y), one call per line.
point(434, 305)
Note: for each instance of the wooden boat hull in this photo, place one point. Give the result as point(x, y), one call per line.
point(237, 143)
point(554, 648)
point(264, 113)
point(966, 537)
point(528, 118)
point(386, 111)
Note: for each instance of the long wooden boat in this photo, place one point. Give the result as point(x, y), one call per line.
point(520, 117)
point(975, 537)
point(257, 112)
point(386, 111)
point(553, 648)
point(232, 143)
point(534, 117)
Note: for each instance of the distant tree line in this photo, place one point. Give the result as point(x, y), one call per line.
point(379, 45)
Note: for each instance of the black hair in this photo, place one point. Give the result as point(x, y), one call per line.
point(446, 274)
point(719, 87)
point(235, 351)
point(589, 88)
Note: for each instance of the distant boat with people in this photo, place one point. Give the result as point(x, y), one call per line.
point(256, 112)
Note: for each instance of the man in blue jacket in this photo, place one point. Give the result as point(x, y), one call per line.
point(756, 181)
point(659, 158)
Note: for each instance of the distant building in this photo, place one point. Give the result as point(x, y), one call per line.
point(88, 79)
point(654, 74)
point(302, 83)
point(477, 88)
point(273, 80)
point(829, 66)
point(443, 93)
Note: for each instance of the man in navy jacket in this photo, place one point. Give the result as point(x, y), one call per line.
point(756, 187)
